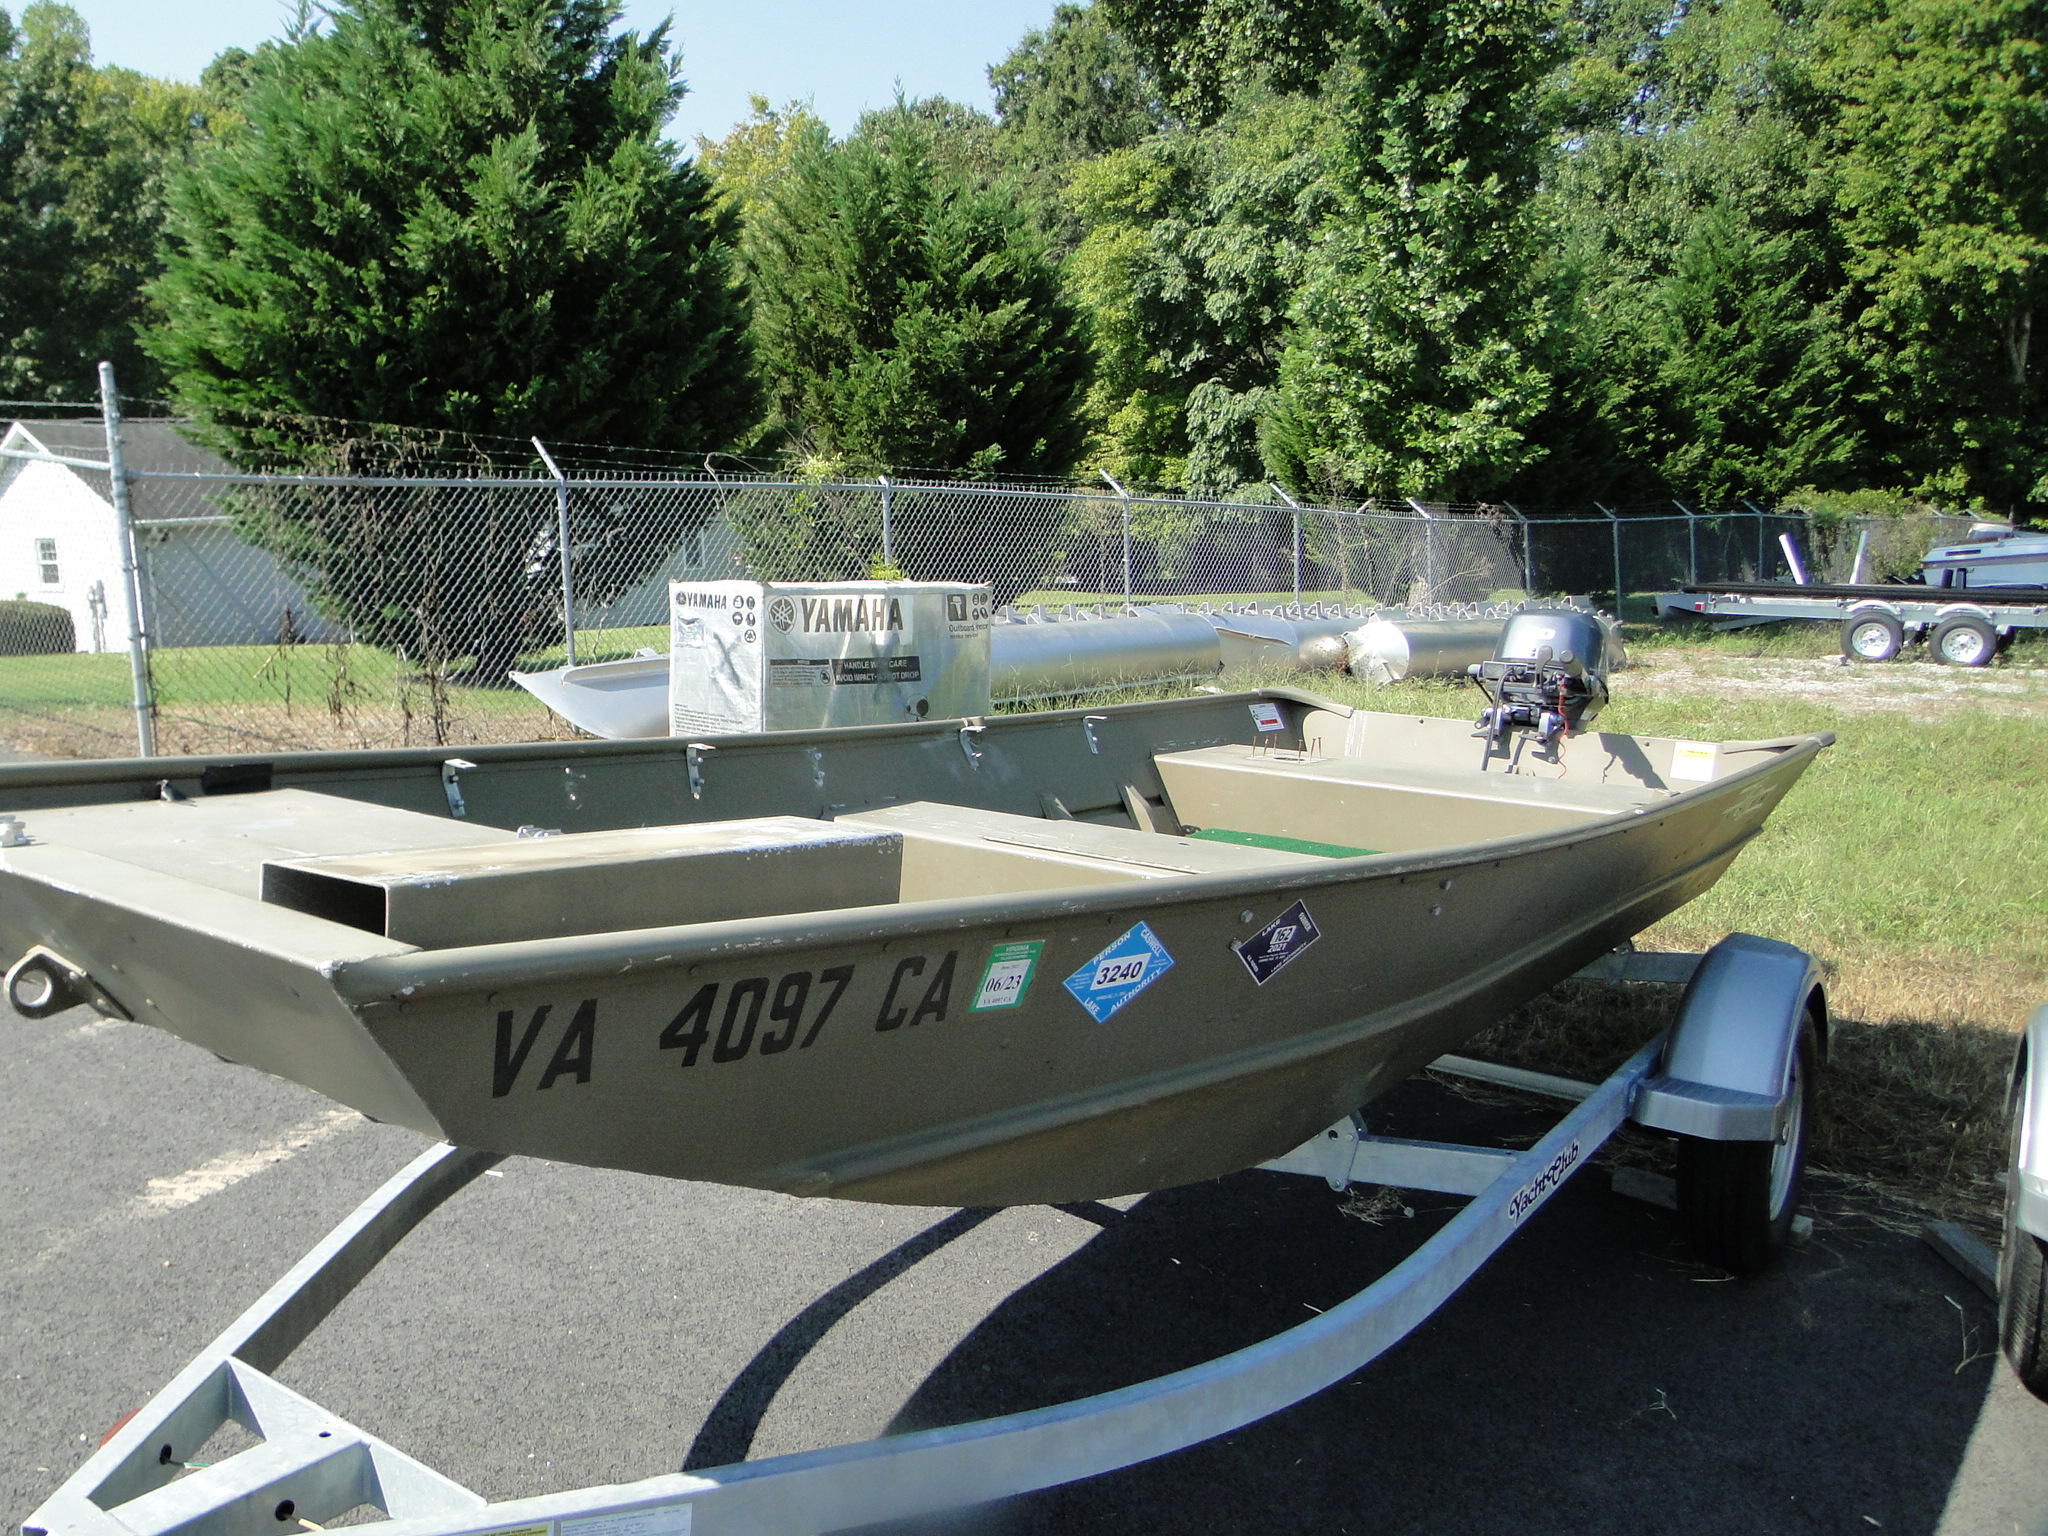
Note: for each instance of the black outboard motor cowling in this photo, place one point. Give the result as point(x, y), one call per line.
point(1548, 676)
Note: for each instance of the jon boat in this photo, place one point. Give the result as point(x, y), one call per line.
point(1029, 958)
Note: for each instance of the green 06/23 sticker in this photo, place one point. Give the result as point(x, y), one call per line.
point(1007, 976)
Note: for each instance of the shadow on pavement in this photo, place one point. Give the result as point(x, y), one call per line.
point(1591, 1378)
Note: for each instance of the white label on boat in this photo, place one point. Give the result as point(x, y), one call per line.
point(1693, 760)
point(1007, 976)
point(1120, 973)
point(1266, 718)
point(665, 1520)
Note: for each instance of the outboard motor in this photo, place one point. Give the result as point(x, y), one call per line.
point(1548, 676)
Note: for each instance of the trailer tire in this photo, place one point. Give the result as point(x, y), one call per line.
point(1737, 1198)
point(1872, 636)
point(2022, 1274)
point(1964, 641)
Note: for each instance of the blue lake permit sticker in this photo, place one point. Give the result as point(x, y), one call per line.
point(1120, 973)
point(1278, 942)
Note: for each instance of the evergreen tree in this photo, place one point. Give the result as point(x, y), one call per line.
point(457, 215)
point(906, 316)
point(1414, 366)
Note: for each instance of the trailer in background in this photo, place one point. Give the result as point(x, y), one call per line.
point(1876, 622)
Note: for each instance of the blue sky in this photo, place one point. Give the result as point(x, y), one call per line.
point(845, 55)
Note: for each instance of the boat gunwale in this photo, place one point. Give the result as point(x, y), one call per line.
point(423, 974)
point(58, 773)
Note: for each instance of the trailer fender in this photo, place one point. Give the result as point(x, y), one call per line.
point(1727, 1065)
point(2029, 1106)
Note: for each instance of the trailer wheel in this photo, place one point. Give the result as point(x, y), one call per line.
point(1964, 641)
point(1737, 1198)
point(1872, 637)
point(2022, 1279)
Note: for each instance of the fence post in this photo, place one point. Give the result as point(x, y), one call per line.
point(1428, 549)
point(1759, 514)
point(131, 568)
point(1528, 551)
point(1123, 496)
point(1692, 541)
point(562, 538)
point(1615, 524)
point(888, 534)
point(1279, 491)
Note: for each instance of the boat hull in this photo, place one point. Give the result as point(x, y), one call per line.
point(861, 1053)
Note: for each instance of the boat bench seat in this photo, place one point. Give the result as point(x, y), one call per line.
point(595, 882)
point(954, 851)
point(1372, 805)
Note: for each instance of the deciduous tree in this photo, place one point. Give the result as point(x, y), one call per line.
point(1415, 362)
point(85, 153)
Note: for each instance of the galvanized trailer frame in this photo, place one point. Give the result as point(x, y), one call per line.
point(1735, 1036)
point(1915, 613)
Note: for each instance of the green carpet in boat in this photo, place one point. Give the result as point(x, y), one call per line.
point(1280, 844)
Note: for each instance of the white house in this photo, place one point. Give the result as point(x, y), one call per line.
point(202, 584)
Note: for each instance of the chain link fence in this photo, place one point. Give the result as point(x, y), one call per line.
point(281, 612)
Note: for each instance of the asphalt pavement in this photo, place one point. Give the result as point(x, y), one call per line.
point(554, 1327)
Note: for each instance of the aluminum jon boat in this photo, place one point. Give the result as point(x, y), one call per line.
point(1029, 958)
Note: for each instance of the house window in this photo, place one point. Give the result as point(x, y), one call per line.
point(46, 557)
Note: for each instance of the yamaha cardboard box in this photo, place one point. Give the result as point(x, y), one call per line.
point(784, 656)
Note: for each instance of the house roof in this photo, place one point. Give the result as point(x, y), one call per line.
point(147, 447)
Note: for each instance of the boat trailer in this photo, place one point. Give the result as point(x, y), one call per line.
point(1732, 1078)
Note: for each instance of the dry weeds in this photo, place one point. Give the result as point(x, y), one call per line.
point(1922, 689)
point(228, 728)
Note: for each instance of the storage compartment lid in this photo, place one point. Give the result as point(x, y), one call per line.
point(596, 882)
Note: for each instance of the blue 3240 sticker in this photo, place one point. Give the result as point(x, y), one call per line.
point(1120, 973)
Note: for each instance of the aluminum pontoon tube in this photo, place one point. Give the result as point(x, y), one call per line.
point(1386, 650)
point(1028, 659)
point(1036, 660)
point(1269, 639)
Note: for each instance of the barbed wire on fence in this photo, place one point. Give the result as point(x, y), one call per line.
point(349, 607)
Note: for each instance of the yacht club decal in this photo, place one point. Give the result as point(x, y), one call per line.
point(1266, 951)
point(1120, 973)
